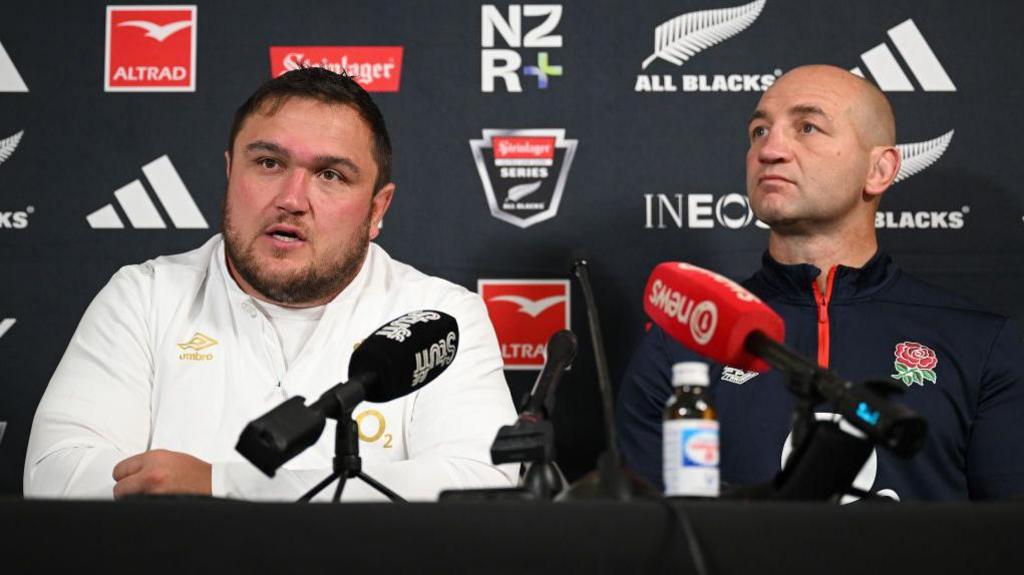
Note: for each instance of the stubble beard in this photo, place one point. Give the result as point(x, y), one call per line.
point(322, 278)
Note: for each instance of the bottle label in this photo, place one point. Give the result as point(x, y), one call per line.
point(690, 449)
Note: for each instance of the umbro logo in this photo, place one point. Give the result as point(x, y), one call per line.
point(196, 344)
point(737, 376)
point(532, 308)
point(10, 79)
point(6, 325)
point(142, 213)
point(8, 145)
point(881, 63)
point(155, 31)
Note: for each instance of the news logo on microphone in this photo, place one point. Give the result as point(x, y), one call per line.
point(708, 313)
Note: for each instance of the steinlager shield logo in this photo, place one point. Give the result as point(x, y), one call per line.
point(915, 363)
point(523, 172)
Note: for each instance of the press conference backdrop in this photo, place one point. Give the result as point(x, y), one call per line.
point(521, 132)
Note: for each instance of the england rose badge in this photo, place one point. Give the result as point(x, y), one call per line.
point(915, 363)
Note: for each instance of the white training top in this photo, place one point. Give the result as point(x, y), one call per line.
point(171, 354)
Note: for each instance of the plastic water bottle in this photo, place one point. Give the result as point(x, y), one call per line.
point(690, 435)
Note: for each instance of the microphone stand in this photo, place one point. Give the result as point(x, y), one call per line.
point(611, 480)
point(347, 463)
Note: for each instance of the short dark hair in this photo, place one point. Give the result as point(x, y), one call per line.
point(330, 88)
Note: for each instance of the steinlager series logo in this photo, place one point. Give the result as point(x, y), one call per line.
point(523, 172)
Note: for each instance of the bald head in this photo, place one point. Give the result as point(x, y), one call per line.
point(863, 103)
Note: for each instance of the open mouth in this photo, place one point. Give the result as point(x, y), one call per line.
point(286, 234)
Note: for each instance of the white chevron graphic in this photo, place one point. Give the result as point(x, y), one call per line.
point(916, 156)
point(678, 39)
point(10, 79)
point(917, 54)
point(529, 306)
point(155, 31)
point(141, 212)
point(8, 145)
point(6, 325)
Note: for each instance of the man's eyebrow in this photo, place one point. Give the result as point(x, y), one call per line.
point(267, 147)
point(757, 115)
point(808, 110)
point(263, 145)
point(336, 161)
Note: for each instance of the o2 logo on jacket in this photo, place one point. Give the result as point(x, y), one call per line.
point(373, 428)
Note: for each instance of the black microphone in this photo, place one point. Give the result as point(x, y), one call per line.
point(561, 350)
point(399, 357)
point(531, 437)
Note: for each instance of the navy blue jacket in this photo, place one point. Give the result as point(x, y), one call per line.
point(973, 397)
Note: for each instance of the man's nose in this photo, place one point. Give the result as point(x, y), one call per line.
point(775, 147)
point(294, 195)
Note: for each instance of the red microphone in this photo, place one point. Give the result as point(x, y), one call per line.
point(710, 314)
point(719, 319)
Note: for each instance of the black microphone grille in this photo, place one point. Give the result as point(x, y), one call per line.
point(406, 353)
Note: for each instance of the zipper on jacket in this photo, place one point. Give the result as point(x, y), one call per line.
point(822, 300)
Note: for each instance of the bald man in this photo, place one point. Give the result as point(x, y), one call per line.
point(821, 156)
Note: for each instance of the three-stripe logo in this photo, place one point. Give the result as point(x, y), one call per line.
point(6, 325)
point(139, 208)
point(10, 79)
point(917, 55)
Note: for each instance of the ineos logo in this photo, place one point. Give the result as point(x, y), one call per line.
point(698, 211)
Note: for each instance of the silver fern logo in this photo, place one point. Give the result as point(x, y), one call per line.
point(8, 145)
point(917, 156)
point(678, 39)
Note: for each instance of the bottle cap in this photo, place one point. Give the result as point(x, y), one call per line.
point(690, 373)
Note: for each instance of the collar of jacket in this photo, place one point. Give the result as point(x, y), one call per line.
point(794, 282)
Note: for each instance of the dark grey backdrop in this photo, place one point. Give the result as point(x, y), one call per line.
point(80, 144)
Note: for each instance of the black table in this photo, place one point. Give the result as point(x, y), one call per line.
point(186, 536)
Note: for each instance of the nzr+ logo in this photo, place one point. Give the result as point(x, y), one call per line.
point(507, 63)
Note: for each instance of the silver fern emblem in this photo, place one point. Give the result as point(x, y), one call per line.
point(919, 155)
point(516, 193)
point(678, 39)
point(8, 144)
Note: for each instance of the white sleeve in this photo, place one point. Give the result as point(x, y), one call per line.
point(448, 429)
point(96, 409)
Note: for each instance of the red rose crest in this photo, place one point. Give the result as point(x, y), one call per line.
point(915, 363)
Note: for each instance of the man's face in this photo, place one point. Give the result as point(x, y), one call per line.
point(806, 166)
point(300, 211)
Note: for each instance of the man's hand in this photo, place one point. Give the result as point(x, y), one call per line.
point(162, 472)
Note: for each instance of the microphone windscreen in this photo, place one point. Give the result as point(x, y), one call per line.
point(405, 354)
point(709, 313)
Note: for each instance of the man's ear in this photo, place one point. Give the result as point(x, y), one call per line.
point(885, 164)
point(379, 206)
point(227, 164)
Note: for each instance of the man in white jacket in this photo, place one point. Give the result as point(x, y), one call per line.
point(176, 355)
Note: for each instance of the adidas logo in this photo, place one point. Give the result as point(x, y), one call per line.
point(141, 212)
point(3, 428)
point(6, 324)
point(10, 79)
point(917, 55)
